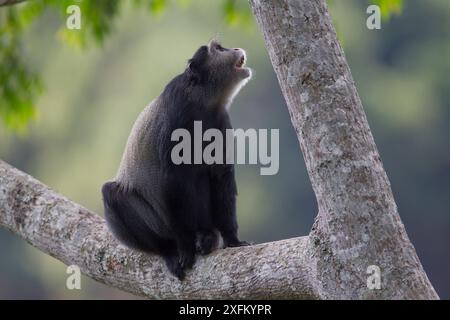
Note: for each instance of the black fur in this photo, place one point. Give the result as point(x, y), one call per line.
point(193, 202)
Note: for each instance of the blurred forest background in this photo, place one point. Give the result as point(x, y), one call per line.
point(90, 98)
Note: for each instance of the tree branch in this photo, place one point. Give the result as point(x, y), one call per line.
point(74, 235)
point(358, 224)
point(9, 2)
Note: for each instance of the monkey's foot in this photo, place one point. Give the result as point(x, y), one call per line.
point(187, 259)
point(175, 267)
point(237, 243)
point(179, 264)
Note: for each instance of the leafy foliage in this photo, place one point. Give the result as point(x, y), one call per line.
point(20, 86)
point(237, 12)
point(389, 7)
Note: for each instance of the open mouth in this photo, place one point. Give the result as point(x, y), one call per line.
point(241, 62)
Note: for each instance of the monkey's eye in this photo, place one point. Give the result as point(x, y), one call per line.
point(220, 48)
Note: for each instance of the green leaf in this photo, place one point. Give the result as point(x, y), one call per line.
point(237, 13)
point(157, 6)
point(389, 7)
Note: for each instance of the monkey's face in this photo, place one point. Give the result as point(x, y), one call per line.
point(228, 63)
point(221, 66)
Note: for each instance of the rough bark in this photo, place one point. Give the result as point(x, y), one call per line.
point(357, 226)
point(74, 235)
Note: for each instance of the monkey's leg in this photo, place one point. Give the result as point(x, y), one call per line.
point(181, 200)
point(224, 193)
point(207, 236)
point(133, 220)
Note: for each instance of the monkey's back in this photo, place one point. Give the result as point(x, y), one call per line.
point(140, 167)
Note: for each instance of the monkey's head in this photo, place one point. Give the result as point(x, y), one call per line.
point(223, 68)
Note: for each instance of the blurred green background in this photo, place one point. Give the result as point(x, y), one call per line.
point(92, 96)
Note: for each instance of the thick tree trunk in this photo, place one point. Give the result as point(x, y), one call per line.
point(357, 226)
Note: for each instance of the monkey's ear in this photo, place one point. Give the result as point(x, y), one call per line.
point(197, 63)
point(212, 43)
point(193, 66)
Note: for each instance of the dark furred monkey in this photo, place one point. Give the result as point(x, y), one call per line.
point(173, 210)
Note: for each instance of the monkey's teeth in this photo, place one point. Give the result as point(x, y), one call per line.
point(241, 62)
